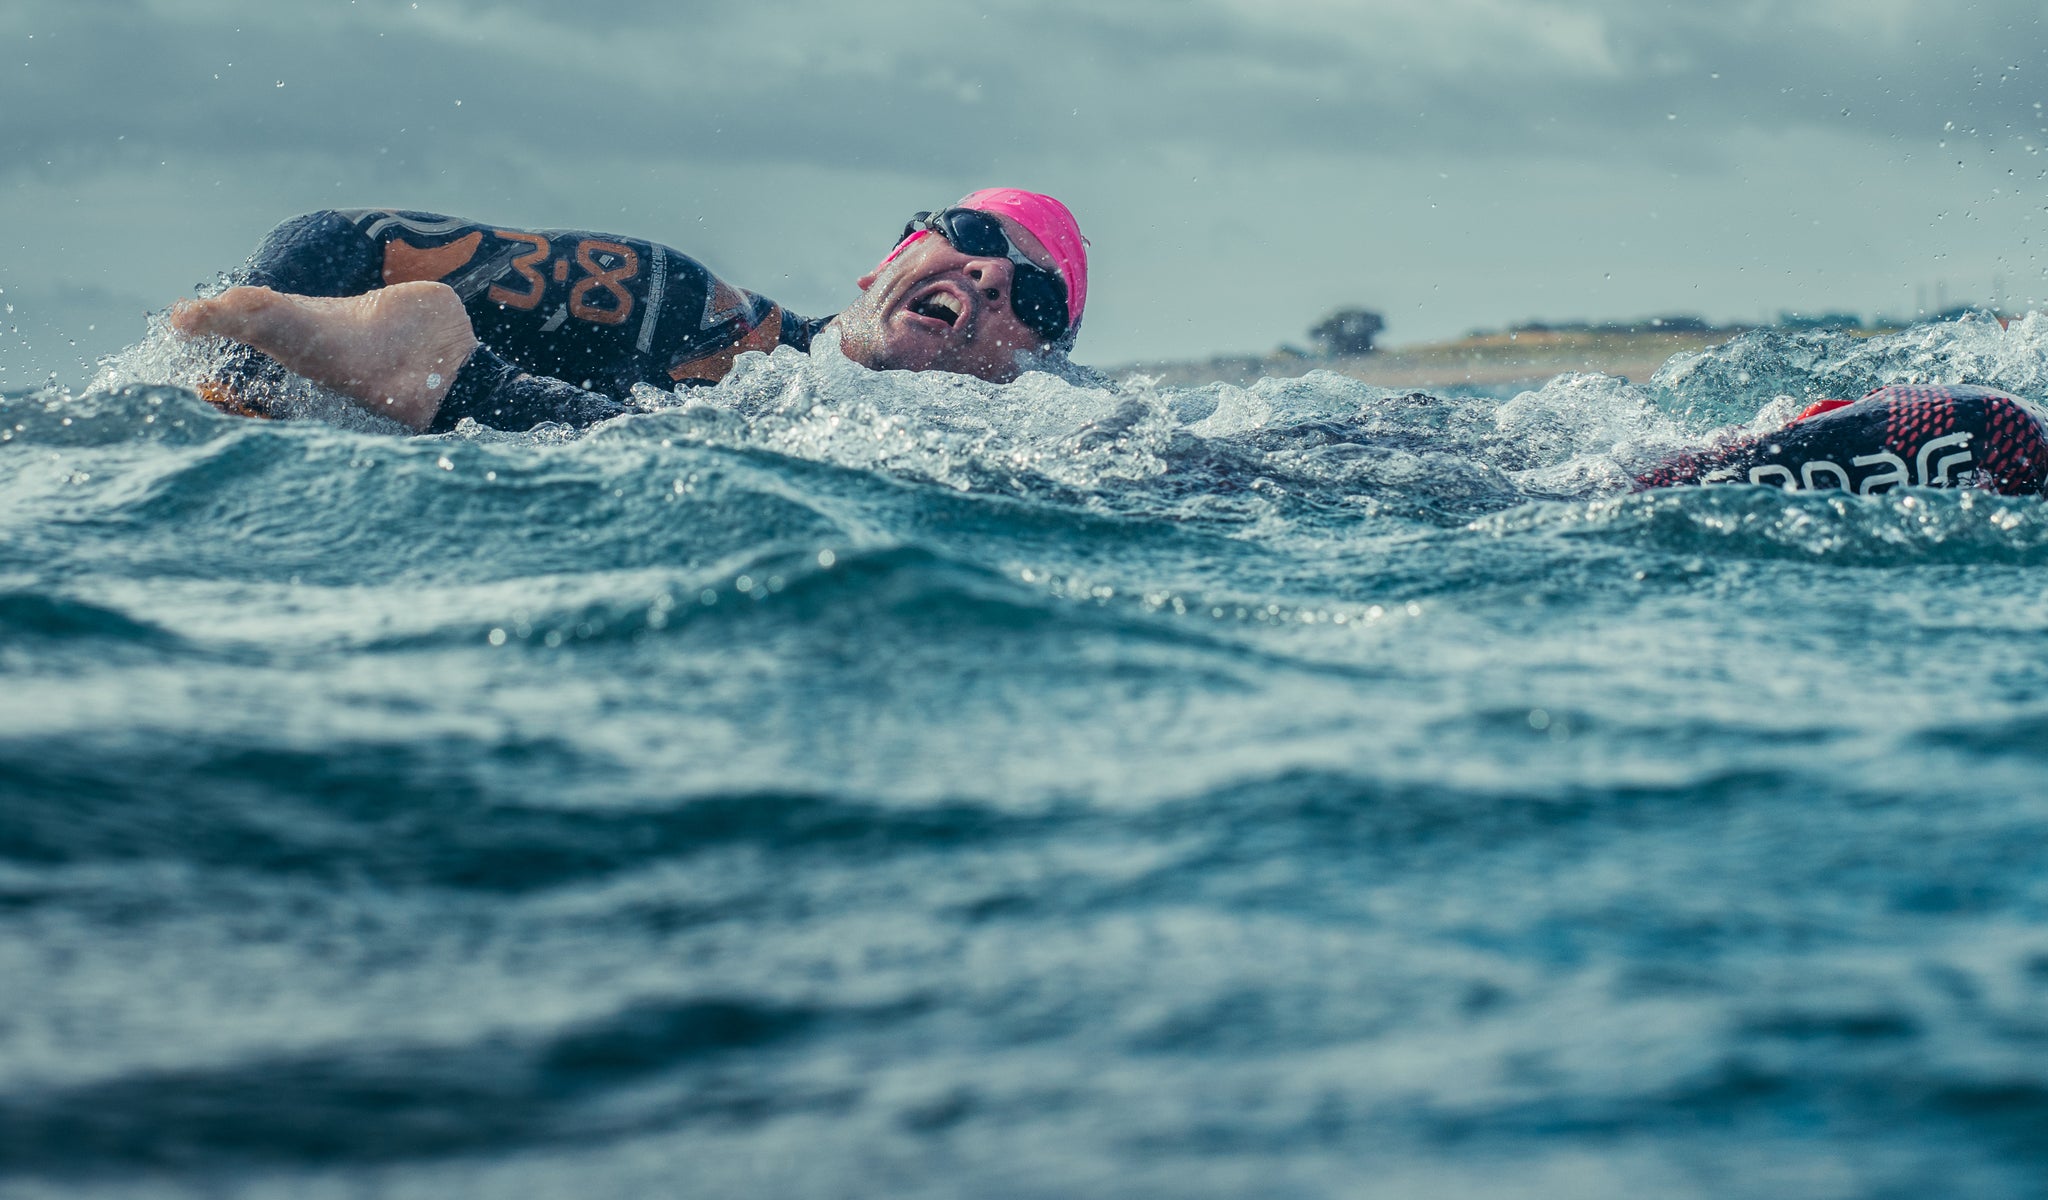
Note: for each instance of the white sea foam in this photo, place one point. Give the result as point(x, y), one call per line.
point(1320, 437)
point(1782, 372)
point(165, 358)
point(951, 429)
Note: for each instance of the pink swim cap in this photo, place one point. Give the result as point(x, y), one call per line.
point(1049, 222)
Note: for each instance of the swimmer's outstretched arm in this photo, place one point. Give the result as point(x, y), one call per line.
point(395, 351)
point(407, 351)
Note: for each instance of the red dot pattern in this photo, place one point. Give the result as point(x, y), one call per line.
point(1913, 415)
point(2016, 447)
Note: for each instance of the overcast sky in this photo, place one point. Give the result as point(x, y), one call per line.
point(1242, 166)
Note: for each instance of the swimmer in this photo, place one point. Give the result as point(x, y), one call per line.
point(430, 319)
point(1903, 436)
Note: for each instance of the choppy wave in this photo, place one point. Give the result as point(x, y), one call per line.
point(832, 783)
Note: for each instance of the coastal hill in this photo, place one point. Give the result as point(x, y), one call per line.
point(1522, 354)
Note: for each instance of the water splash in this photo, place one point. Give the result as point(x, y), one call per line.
point(165, 358)
point(1778, 373)
point(1245, 456)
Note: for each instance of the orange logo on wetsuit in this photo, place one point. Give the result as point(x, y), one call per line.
point(407, 263)
point(715, 366)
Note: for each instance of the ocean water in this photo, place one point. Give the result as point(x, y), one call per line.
point(835, 784)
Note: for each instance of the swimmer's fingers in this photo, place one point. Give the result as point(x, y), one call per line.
point(227, 315)
point(188, 317)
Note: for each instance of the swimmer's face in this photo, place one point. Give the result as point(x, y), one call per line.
point(933, 308)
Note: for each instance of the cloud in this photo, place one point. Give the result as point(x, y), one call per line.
point(1462, 163)
point(905, 86)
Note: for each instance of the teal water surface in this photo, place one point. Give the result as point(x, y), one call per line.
point(840, 784)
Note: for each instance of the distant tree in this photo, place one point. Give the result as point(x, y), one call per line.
point(1834, 320)
point(1682, 323)
point(1348, 331)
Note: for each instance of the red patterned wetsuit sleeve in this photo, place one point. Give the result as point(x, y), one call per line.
point(1904, 436)
point(2016, 447)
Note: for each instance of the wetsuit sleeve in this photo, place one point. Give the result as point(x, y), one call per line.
point(494, 392)
point(317, 254)
point(1952, 436)
point(580, 317)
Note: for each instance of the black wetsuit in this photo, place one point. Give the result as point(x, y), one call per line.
point(568, 321)
point(1953, 436)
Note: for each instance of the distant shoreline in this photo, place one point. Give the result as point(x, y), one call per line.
point(1491, 360)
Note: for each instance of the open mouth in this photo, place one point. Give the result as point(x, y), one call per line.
point(939, 306)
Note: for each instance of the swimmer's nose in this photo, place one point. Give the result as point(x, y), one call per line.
point(991, 274)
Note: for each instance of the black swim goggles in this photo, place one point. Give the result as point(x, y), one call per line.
point(1037, 296)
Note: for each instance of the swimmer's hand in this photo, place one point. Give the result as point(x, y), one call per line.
point(395, 351)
